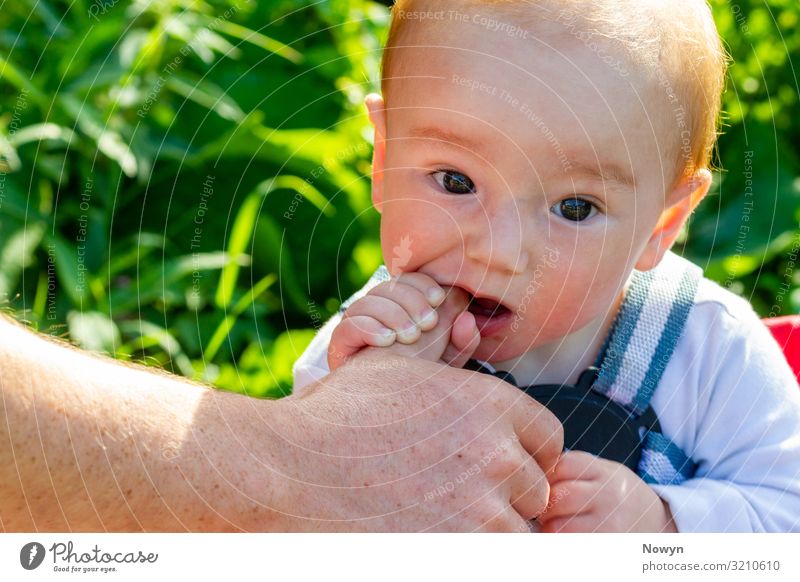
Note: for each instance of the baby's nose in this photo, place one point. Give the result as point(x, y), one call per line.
point(499, 243)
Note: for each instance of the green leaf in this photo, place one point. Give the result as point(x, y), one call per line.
point(9, 159)
point(271, 253)
point(16, 203)
point(265, 371)
point(136, 251)
point(188, 27)
point(312, 154)
point(72, 273)
point(206, 94)
point(93, 331)
point(246, 218)
point(21, 81)
point(256, 38)
point(108, 141)
point(241, 234)
point(157, 280)
point(55, 24)
point(147, 334)
point(43, 132)
point(740, 265)
point(17, 254)
point(288, 347)
point(230, 319)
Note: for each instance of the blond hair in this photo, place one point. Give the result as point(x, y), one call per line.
point(675, 43)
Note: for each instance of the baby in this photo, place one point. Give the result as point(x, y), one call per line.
point(534, 163)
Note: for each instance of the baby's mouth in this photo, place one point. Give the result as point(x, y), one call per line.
point(491, 316)
point(486, 308)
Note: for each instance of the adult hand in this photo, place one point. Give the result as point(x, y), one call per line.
point(389, 443)
point(383, 444)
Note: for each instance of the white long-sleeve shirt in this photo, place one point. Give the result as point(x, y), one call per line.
point(728, 399)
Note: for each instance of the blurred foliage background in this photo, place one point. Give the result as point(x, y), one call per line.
point(186, 183)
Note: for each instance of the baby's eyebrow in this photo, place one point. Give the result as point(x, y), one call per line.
point(607, 172)
point(442, 136)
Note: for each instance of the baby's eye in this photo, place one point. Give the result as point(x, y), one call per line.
point(454, 182)
point(575, 209)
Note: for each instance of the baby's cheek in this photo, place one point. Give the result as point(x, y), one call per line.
point(409, 242)
point(561, 308)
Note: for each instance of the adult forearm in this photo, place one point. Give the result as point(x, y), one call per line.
point(89, 444)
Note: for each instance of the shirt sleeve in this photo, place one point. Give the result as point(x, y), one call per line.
point(312, 365)
point(744, 431)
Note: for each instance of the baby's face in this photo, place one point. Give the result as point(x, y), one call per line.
point(529, 176)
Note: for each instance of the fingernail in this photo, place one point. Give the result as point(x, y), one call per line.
point(408, 334)
point(435, 295)
point(385, 337)
point(428, 319)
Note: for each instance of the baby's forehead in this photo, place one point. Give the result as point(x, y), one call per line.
point(548, 90)
point(646, 68)
point(551, 91)
point(478, 56)
point(616, 30)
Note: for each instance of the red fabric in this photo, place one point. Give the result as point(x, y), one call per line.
point(786, 331)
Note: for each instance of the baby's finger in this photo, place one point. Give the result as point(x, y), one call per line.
point(455, 303)
point(426, 285)
point(577, 465)
point(353, 334)
point(388, 312)
point(464, 340)
point(411, 299)
point(569, 498)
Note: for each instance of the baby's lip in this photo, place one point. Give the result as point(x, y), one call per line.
point(485, 306)
point(482, 303)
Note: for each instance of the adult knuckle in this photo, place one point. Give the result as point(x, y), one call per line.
point(540, 495)
point(556, 432)
point(501, 464)
point(550, 427)
point(549, 421)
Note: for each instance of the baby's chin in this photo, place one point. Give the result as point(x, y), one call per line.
point(494, 349)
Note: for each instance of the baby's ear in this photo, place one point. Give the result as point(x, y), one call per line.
point(377, 116)
point(680, 203)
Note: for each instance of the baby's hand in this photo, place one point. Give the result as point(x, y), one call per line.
point(591, 494)
point(399, 315)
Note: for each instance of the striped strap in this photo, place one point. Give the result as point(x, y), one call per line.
point(646, 332)
point(662, 462)
point(647, 329)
